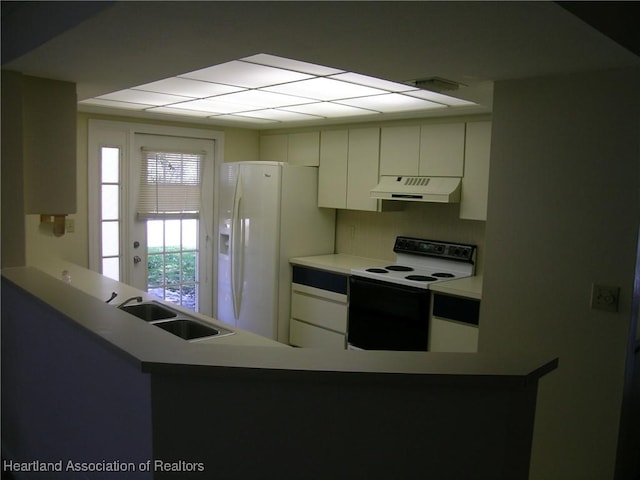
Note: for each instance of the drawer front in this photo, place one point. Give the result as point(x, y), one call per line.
point(319, 311)
point(309, 336)
point(465, 310)
point(333, 282)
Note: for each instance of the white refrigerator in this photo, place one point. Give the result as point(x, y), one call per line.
point(268, 213)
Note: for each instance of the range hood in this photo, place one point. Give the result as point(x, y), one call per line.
point(418, 189)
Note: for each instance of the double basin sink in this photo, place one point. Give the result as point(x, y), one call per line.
point(173, 321)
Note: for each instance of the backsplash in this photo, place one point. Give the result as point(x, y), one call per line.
point(372, 234)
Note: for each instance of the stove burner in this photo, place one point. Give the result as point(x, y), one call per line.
point(420, 278)
point(399, 268)
point(443, 275)
point(376, 270)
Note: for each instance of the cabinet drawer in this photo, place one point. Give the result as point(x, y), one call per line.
point(333, 282)
point(309, 336)
point(319, 311)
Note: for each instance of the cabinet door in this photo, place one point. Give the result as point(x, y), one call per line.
point(332, 174)
point(274, 148)
point(399, 150)
point(442, 150)
point(362, 175)
point(475, 183)
point(304, 149)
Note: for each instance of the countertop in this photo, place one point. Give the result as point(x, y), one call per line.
point(154, 350)
point(470, 287)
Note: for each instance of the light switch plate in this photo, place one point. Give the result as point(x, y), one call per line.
point(605, 297)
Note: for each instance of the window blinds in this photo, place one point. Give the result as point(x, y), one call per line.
point(169, 184)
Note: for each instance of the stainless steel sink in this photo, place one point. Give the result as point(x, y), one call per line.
point(174, 321)
point(149, 311)
point(188, 329)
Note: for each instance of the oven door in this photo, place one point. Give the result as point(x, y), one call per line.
point(387, 316)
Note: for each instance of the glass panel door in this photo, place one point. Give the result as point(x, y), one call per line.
point(172, 261)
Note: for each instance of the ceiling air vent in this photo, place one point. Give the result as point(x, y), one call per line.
point(437, 84)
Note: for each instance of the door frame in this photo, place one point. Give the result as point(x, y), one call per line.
point(101, 133)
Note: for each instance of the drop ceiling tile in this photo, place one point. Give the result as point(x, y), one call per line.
point(138, 96)
point(188, 88)
point(329, 109)
point(439, 98)
point(212, 106)
point(391, 102)
point(179, 111)
point(247, 75)
point(324, 89)
point(373, 82)
point(289, 64)
point(263, 99)
point(115, 104)
point(278, 115)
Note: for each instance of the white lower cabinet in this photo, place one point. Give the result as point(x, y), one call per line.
point(318, 309)
point(453, 324)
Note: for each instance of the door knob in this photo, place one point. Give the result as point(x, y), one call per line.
point(136, 260)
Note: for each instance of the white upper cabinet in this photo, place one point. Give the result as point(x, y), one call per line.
point(363, 167)
point(399, 150)
point(295, 148)
point(442, 150)
point(349, 162)
point(332, 174)
point(475, 183)
point(433, 150)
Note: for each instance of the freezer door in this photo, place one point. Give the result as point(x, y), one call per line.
point(226, 191)
point(248, 259)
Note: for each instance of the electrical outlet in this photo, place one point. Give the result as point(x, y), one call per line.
point(605, 298)
point(70, 225)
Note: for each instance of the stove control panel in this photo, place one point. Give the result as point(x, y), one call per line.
point(434, 248)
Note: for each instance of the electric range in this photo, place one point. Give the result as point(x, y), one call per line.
point(421, 263)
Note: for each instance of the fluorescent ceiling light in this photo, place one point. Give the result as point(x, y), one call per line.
point(392, 102)
point(264, 88)
point(115, 104)
point(329, 110)
point(373, 82)
point(277, 115)
point(188, 88)
point(263, 99)
point(295, 65)
point(247, 75)
point(322, 88)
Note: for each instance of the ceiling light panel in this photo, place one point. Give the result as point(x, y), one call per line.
point(188, 88)
point(295, 65)
point(392, 102)
point(278, 115)
point(325, 89)
point(179, 111)
point(115, 104)
point(138, 96)
point(247, 75)
point(439, 98)
point(329, 110)
point(262, 99)
point(212, 106)
point(373, 82)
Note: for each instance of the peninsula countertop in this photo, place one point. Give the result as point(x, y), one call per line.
point(155, 350)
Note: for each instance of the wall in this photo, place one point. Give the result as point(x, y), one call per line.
point(13, 236)
point(240, 144)
point(372, 234)
point(563, 213)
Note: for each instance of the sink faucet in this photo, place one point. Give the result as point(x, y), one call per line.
point(137, 299)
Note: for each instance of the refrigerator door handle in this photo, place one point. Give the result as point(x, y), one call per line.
point(237, 235)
